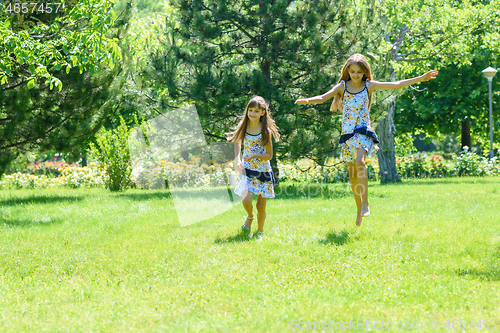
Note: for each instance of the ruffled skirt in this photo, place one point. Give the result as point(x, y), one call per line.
point(256, 186)
point(349, 150)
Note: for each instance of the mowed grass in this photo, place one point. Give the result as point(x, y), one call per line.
point(95, 261)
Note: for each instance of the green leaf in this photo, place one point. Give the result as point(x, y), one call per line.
point(68, 68)
point(7, 23)
point(31, 84)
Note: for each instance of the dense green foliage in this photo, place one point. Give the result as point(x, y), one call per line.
point(221, 53)
point(111, 152)
point(78, 39)
point(423, 35)
point(76, 52)
point(460, 94)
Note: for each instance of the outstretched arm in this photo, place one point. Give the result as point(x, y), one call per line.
point(375, 85)
point(338, 88)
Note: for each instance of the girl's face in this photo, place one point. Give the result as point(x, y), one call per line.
point(355, 73)
point(254, 113)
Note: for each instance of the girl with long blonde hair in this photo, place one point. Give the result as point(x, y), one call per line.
point(353, 95)
point(255, 132)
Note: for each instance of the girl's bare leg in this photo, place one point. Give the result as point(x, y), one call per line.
point(362, 181)
point(351, 166)
point(247, 204)
point(261, 212)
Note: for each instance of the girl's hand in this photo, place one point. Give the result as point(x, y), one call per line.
point(248, 157)
point(302, 101)
point(429, 75)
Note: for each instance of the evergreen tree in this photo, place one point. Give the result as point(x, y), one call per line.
point(222, 53)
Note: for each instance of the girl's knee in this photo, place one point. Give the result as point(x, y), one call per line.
point(261, 205)
point(247, 201)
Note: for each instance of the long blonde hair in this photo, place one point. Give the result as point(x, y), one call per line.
point(361, 61)
point(268, 124)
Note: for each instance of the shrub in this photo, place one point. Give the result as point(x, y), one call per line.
point(470, 164)
point(414, 167)
point(417, 167)
point(112, 156)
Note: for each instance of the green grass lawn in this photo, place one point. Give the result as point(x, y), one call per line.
point(94, 261)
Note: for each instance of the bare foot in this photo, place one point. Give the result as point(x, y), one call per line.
point(358, 220)
point(365, 211)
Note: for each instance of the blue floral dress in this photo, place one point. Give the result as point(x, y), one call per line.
point(257, 175)
point(356, 126)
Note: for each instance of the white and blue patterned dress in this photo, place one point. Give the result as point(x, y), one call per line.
point(356, 126)
point(257, 175)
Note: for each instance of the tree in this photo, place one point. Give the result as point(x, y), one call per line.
point(32, 114)
point(456, 104)
point(421, 34)
point(221, 53)
point(79, 38)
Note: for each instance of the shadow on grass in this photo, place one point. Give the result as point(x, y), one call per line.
point(42, 199)
point(492, 274)
point(282, 191)
point(337, 238)
point(238, 238)
point(311, 190)
point(146, 195)
point(445, 181)
point(180, 193)
point(23, 223)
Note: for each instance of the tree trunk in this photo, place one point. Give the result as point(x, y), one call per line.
point(387, 153)
point(265, 68)
point(386, 128)
point(466, 141)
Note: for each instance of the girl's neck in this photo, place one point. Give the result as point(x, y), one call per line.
point(254, 128)
point(254, 124)
point(357, 84)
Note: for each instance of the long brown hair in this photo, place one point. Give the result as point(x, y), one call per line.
point(361, 61)
point(268, 124)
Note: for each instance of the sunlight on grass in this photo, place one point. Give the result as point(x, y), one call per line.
point(90, 260)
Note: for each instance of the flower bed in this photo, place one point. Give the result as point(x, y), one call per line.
point(68, 176)
point(151, 174)
point(333, 172)
point(467, 163)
